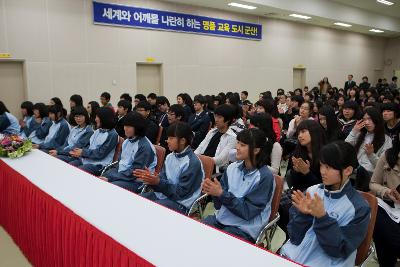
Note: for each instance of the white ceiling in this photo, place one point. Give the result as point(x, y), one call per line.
point(362, 14)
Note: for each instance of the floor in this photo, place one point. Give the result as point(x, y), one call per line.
point(10, 255)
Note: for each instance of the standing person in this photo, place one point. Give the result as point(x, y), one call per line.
point(349, 83)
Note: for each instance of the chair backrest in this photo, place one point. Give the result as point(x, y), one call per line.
point(208, 165)
point(158, 139)
point(277, 196)
point(160, 153)
point(362, 251)
point(118, 148)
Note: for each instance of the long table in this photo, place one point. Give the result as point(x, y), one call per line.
point(61, 216)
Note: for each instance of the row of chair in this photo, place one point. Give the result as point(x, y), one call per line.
point(264, 239)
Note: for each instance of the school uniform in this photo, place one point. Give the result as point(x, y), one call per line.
point(78, 138)
point(99, 153)
point(244, 207)
point(9, 124)
point(333, 239)
point(30, 126)
point(137, 153)
point(58, 133)
point(180, 181)
point(38, 135)
point(119, 127)
point(200, 123)
point(346, 126)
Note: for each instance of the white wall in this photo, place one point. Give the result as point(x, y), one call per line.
point(66, 54)
point(392, 53)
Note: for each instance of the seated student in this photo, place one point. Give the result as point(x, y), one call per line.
point(152, 99)
point(370, 141)
point(330, 221)
point(220, 140)
point(175, 113)
point(144, 109)
point(178, 184)
point(127, 97)
point(105, 100)
point(58, 131)
point(92, 108)
point(391, 116)
point(304, 114)
point(303, 168)
point(162, 109)
point(28, 124)
point(385, 184)
point(328, 121)
point(78, 137)
point(137, 153)
point(8, 122)
point(186, 102)
point(348, 117)
point(124, 107)
point(41, 113)
point(102, 145)
point(244, 195)
point(74, 101)
point(200, 121)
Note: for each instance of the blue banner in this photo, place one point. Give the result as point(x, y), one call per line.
point(128, 16)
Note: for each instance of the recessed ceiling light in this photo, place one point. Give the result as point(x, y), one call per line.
point(342, 24)
point(299, 16)
point(388, 3)
point(241, 6)
point(375, 30)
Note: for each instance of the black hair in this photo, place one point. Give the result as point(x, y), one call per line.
point(318, 140)
point(392, 154)
point(339, 155)
point(379, 130)
point(264, 123)
point(227, 112)
point(77, 99)
point(187, 100)
point(271, 108)
point(28, 105)
point(57, 110)
point(332, 125)
point(125, 104)
point(350, 104)
point(392, 107)
point(137, 121)
point(3, 108)
point(297, 98)
point(42, 108)
point(144, 105)
point(127, 97)
point(394, 78)
point(255, 138)
point(94, 106)
point(57, 101)
point(234, 101)
point(141, 97)
point(180, 130)
point(200, 99)
point(79, 110)
point(245, 93)
point(178, 110)
point(152, 96)
point(106, 95)
point(161, 100)
point(106, 116)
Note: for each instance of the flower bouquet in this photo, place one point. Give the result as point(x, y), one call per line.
point(14, 146)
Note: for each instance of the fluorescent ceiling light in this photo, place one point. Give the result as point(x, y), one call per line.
point(342, 24)
point(299, 16)
point(241, 5)
point(375, 30)
point(388, 3)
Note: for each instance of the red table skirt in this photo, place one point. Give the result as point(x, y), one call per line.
point(49, 234)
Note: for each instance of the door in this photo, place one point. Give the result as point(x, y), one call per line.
point(149, 78)
point(299, 78)
point(12, 91)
